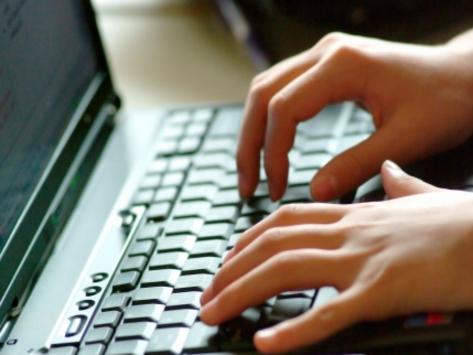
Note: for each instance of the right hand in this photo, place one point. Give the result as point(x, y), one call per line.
point(420, 98)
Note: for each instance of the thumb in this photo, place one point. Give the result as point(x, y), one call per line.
point(349, 169)
point(398, 184)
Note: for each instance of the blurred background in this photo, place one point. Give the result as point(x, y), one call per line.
point(177, 52)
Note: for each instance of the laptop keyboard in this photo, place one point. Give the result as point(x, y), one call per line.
point(193, 217)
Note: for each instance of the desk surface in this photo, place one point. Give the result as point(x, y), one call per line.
point(168, 52)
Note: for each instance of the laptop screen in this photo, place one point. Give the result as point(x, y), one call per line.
point(47, 61)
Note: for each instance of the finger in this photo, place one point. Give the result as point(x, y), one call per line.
point(355, 165)
point(398, 184)
point(308, 269)
point(312, 326)
point(293, 214)
point(340, 76)
point(271, 243)
point(255, 116)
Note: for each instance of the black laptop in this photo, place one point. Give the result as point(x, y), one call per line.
point(112, 225)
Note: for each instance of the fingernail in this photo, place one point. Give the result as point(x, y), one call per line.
point(393, 168)
point(265, 334)
point(324, 188)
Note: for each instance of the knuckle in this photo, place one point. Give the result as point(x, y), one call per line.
point(270, 239)
point(258, 91)
point(285, 261)
point(333, 37)
point(257, 79)
point(286, 212)
point(277, 106)
point(348, 53)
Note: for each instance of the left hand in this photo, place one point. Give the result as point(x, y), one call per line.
point(408, 254)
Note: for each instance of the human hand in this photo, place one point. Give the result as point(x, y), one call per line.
point(409, 254)
point(420, 98)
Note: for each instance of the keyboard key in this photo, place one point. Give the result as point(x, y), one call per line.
point(66, 350)
point(126, 281)
point(165, 194)
point(98, 335)
point(227, 197)
point(212, 161)
point(135, 331)
point(158, 211)
point(150, 182)
point(302, 177)
point(135, 263)
point(172, 179)
point(167, 341)
point(297, 194)
point(127, 347)
point(262, 205)
point(205, 265)
point(159, 295)
point(202, 338)
point(209, 248)
point(164, 277)
point(244, 223)
point(189, 145)
point(141, 248)
point(192, 209)
point(180, 300)
point(178, 318)
point(167, 147)
point(180, 118)
point(229, 182)
point(179, 164)
point(226, 122)
point(158, 166)
point(262, 190)
point(298, 294)
point(185, 226)
point(347, 142)
point(199, 192)
point(311, 161)
point(143, 197)
point(149, 231)
point(222, 214)
point(176, 243)
point(196, 129)
point(107, 319)
point(202, 115)
point(322, 125)
point(144, 313)
point(208, 176)
point(92, 349)
point(233, 239)
point(315, 146)
point(215, 145)
point(115, 302)
point(324, 295)
point(187, 283)
point(175, 260)
point(285, 308)
point(172, 132)
point(215, 230)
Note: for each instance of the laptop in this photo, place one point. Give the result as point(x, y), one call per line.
point(111, 226)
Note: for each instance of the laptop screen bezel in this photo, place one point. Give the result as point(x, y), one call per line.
point(20, 262)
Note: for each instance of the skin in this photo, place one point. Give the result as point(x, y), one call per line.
point(420, 239)
point(420, 93)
